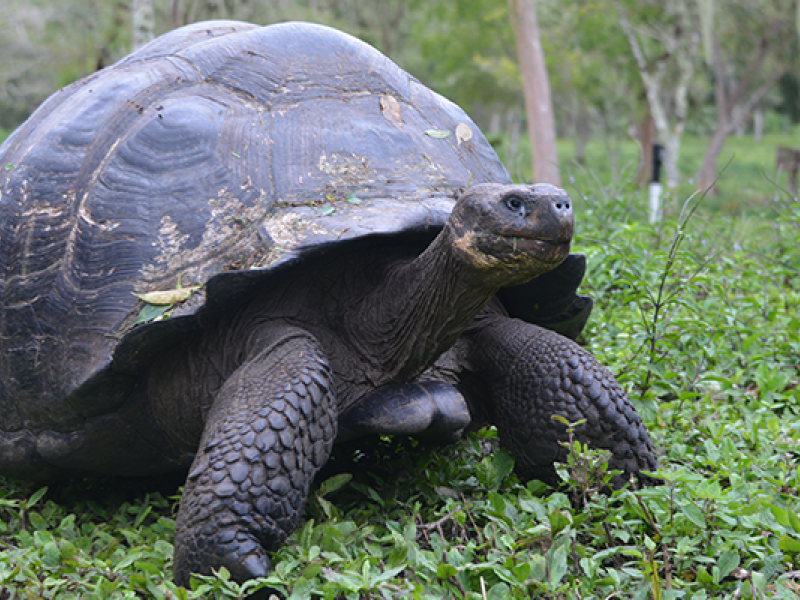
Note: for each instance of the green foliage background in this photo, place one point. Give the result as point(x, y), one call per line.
point(697, 317)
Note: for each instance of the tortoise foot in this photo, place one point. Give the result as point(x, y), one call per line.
point(533, 375)
point(237, 550)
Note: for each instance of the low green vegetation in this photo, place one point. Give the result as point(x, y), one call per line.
point(697, 317)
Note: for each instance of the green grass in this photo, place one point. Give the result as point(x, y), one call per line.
point(697, 317)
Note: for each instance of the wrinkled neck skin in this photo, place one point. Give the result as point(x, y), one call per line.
point(419, 310)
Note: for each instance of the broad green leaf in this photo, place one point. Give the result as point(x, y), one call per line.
point(301, 590)
point(499, 591)
point(142, 515)
point(326, 506)
point(624, 550)
point(145, 565)
point(36, 496)
point(503, 463)
point(327, 211)
point(794, 520)
point(558, 564)
point(389, 573)
point(694, 514)
point(445, 571)
point(759, 582)
point(727, 562)
point(522, 572)
point(558, 521)
point(51, 554)
point(149, 313)
point(437, 133)
point(334, 483)
point(781, 515)
point(487, 474)
point(538, 565)
point(352, 198)
point(789, 544)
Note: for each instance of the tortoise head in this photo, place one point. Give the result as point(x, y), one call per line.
point(510, 234)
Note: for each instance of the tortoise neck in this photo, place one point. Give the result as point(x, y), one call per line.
point(421, 308)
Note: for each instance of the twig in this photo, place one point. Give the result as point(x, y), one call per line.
point(438, 523)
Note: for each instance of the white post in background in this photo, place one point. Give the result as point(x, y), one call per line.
point(655, 202)
point(655, 185)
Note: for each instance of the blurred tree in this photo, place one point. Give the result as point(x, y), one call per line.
point(595, 84)
point(746, 63)
point(143, 21)
point(536, 83)
point(789, 105)
point(464, 49)
point(664, 38)
point(47, 44)
point(22, 80)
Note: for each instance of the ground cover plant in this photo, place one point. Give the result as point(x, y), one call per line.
point(698, 318)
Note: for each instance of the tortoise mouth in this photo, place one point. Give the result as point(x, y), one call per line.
point(544, 248)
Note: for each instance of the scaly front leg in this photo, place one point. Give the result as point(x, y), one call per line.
point(524, 375)
point(269, 431)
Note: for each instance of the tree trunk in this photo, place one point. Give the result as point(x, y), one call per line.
point(646, 137)
point(143, 22)
point(583, 132)
point(513, 129)
point(708, 168)
point(177, 14)
point(758, 125)
point(538, 104)
point(680, 41)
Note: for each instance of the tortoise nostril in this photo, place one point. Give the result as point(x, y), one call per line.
point(562, 205)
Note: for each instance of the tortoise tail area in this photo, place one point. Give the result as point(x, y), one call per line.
point(116, 442)
point(48, 455)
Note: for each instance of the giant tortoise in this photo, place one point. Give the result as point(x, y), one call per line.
point(240, 244)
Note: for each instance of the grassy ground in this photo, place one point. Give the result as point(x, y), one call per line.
point(697, 317)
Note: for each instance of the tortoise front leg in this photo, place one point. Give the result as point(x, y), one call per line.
point(520, 375)
point(269, 431)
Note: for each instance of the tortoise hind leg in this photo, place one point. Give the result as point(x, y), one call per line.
point(434, 411)
point(269, 431)
point(529, 374)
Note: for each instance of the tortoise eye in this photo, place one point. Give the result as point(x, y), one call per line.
point(517, 205)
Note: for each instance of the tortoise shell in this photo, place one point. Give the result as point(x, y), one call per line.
point(212, 158)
